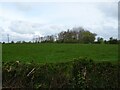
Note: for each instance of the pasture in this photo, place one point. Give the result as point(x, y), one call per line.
point(53, 52)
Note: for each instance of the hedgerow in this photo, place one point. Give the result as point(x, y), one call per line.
point(79, 73)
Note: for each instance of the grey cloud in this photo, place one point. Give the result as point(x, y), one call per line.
point(21, 27)
point(109, 9)
point(107, 32)
point(23, 6)
point(20, 30)
point(1, 29)
point(31, 28)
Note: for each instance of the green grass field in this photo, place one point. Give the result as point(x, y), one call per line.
point(42, 53)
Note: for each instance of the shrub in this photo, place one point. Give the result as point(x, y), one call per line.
point(81, 73)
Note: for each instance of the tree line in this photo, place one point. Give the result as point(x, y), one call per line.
point(75, 35)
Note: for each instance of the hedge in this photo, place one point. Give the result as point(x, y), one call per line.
point(79, 73)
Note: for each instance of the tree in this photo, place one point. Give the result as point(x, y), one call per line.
point(12, 41)
point(61, 37)
point(76, 35)
point(88, 37)
point(18, 42)
point(113, 41)
point(29, 42)
point(100, 40)
point(106, 42)
point(23, 42)
point(3, 43)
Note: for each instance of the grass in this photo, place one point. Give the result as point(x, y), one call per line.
point(42, 53)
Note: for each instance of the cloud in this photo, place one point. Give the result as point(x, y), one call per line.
point(13, 36)
point(24, 20)
point(9, 14)
point(20, 30)
point(21, 27)
point(12, 12)
point(23, 6)
point(109, 9)
point(30, 28)
point(59, 0)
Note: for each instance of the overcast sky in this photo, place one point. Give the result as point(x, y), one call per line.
point(24, 20)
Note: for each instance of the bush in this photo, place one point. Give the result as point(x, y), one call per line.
point(80, 73)
point(95, 75)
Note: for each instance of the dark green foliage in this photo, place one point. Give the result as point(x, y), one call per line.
point(95, 75)
point(3, 43)
point(113, 41)
point(100, 40)
point(80, 73)
point(76, 35)
point(12, 42)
